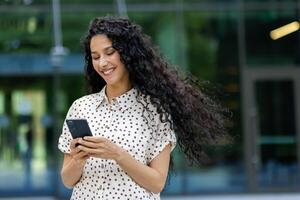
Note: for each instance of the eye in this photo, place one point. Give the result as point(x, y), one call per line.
point(110, 52)
point(95, 58)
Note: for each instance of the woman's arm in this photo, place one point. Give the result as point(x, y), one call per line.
point(73, 165)
point(152, 177)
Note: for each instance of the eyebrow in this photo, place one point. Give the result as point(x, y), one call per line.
point(103, 49)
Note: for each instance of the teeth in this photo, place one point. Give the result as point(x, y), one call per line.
point(108, 71)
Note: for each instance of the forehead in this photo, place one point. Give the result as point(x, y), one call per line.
point(100, 42)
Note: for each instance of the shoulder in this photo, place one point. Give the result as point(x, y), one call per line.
point(145, 101)
point(152, 112)
point(89, 99)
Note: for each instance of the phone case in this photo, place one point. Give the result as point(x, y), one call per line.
point(79, 128)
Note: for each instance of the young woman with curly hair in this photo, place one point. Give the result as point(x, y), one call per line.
point(138, 109)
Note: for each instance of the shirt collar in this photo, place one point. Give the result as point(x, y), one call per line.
point(121, 102)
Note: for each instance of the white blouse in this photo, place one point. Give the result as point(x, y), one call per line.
point(127, 121)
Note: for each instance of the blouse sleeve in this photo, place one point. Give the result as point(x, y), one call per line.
point(164, 136)
point(65, 138)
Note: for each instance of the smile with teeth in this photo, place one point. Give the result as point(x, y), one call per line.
point(108, 71)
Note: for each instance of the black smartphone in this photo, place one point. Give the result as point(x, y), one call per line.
point(79, 128)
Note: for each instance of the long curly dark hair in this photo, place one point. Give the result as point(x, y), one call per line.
point(196, 118)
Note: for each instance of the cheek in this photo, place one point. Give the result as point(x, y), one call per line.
point(95, 65)
point(117, 59)
point(124, 68)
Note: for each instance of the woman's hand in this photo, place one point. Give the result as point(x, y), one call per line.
point(77, 154)
point(101, 148)
point(73, 165)
point(152, 177)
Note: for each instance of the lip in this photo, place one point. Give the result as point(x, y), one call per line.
point(109, 71)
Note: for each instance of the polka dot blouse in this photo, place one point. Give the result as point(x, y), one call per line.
point(129, 121)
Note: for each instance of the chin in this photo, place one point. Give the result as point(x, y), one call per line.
point(110, 82)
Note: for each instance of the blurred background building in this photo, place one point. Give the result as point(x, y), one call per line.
point(227, 42)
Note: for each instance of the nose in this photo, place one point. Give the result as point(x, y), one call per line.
point(102, 62)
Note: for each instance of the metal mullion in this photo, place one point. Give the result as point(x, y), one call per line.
point(277, 74)
point(297, 118)
point(246, 100)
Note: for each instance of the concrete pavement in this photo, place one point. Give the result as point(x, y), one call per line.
point(290, 196)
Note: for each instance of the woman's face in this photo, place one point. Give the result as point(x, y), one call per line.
point(107, 62)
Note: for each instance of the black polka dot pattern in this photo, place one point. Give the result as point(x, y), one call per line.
point(123, 122)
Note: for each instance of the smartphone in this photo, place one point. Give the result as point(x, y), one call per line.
point(79, 128)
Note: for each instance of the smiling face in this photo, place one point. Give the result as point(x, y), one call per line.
point(107, 63)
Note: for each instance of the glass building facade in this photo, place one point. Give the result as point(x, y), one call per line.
point(226, 42)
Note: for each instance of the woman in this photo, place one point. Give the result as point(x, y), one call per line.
point(137, 110)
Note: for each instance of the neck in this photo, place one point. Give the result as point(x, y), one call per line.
point(113, 91)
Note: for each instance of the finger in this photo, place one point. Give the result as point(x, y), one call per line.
point(91, 150)
point(94, 139)
point(73, 143)
point(94, 145)
point(81, 155)
point(74, 151)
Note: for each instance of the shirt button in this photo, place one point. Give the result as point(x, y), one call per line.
point(102, 165)
point(100, 187)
